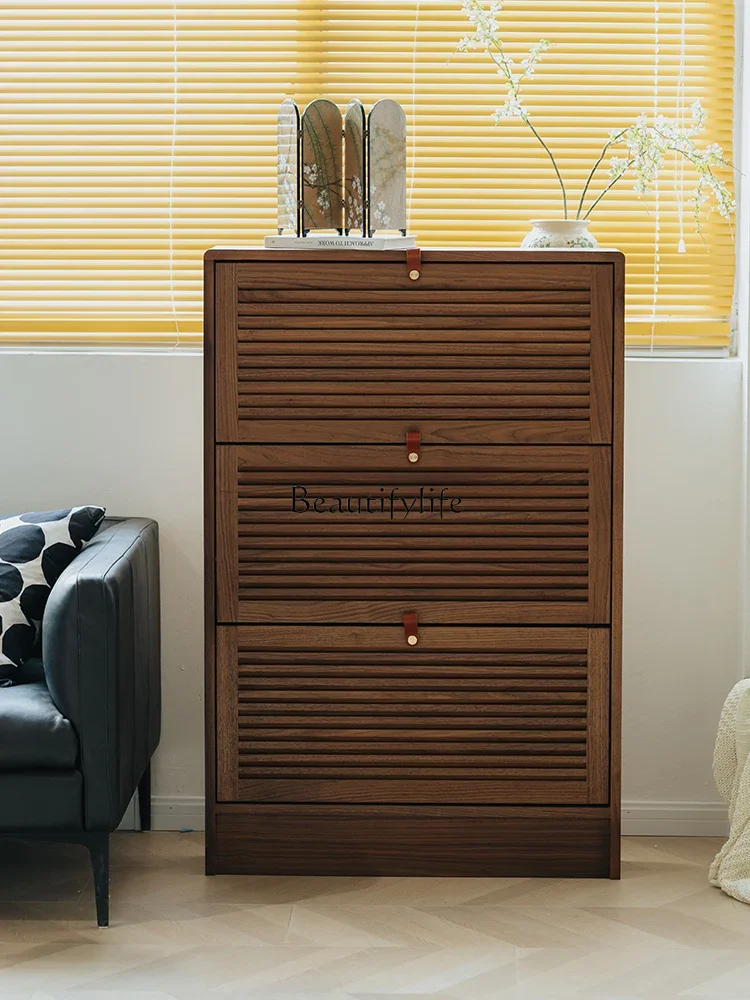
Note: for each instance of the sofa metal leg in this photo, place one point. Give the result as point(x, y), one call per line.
point(98, 845)
point(144, 798)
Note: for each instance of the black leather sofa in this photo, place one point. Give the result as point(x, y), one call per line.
point(78, 733)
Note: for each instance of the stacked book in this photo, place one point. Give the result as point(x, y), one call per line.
point(321, 242)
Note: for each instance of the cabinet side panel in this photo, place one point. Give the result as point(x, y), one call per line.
point(618, 311)
point(209, 377)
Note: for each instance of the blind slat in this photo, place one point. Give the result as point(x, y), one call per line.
point(134, 136)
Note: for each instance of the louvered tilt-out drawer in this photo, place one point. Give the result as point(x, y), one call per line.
point(358, 533)
point(359, 353)
point(413, 562)
point(354, 714)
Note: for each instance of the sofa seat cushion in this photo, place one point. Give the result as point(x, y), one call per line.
point(32, 731)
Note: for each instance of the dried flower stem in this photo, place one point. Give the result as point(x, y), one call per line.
point(554, 164)
point(607, 189)
point(595, 167)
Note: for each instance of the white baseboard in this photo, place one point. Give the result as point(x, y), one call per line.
point(169, 812)
point(674, 819)
point(639, 818)
point(178, 812)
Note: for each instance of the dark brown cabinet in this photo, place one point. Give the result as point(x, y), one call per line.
point(446, 453)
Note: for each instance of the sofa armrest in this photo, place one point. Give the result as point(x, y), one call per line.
point(101, 651)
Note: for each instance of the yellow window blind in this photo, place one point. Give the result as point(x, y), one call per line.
point(133, 135)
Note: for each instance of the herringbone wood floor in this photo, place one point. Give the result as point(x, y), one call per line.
point(661, 933)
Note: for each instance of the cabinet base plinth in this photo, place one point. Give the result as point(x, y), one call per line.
point(390, 841)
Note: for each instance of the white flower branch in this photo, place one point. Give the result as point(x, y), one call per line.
point(646, 145)
point(487, 37)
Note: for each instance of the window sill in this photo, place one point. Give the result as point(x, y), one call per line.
point(193, 350)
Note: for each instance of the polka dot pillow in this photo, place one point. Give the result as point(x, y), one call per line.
point(34, 550)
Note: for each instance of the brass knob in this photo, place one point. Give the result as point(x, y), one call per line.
point(412, 640)
point(413, 456)
point(414, 274)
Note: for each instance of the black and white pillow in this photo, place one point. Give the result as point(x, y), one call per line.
point(34, 550)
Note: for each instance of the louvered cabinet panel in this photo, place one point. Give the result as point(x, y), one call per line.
point(354, 714)
point(357, 352)
point(357, 533)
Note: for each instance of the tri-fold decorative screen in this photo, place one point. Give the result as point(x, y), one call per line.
point(346, 173)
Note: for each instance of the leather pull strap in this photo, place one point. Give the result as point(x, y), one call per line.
point(411, 628)
point(414, 263)
point(413, 445)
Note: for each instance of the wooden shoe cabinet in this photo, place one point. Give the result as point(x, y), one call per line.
point(413, 562)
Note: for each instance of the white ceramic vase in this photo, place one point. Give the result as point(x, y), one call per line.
point(559, 234)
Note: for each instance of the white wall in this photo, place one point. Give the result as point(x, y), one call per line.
point(682, 605)
point(125, 430)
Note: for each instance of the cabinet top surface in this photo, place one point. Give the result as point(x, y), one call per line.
point(230, 254)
